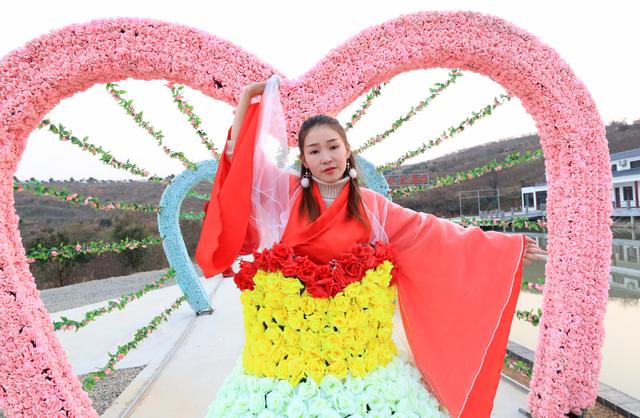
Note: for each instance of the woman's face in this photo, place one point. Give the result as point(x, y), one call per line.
point(325, 154)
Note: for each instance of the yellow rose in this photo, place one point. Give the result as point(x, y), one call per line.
point(282, 370)
point(308, 305)
point(348, 340)
point(356, 366)
point(276, 355)
point(274, 299)
point(340, 303)
point(338, 368)
point(292, 302)
point(322, 304)
point(309, 342)
point(363, 300)
point(371, 361)
point(341, 322)
point(295, 366)
point(379, 314)
point(280, 315)
point(316, 368)
point(246, 297)
point(331, 342)
point(384, 356)
point(352, 290)
point(384, 332)
point(291, 336)
point(248, 361)
point(296, 320)
point(273, 333)
point(265, 314)
point(268, 369)
point(263, 346)
point(332, 354)
point(290, 286)
point(334, 315)
point(316, 322)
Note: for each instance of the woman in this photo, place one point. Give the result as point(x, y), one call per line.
point(318, 299)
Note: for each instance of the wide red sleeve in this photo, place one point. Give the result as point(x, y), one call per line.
point(457, 291)
point(226, 229)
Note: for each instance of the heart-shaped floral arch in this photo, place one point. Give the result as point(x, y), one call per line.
point(35, 376)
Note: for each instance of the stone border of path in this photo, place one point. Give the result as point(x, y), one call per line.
point(620, 402)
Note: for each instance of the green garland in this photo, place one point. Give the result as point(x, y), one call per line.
point(357, 115)
point(449, 133)
point(435, 91)
point(127, 105)
point(538, 286)
point(518, 365)
point(66, 324)
point(36, 187)
point(71, 251)
point(65, 135)
point(510, 160)
point(194, 120)
point(517, 222)
point(142, 333)
point(532, 316)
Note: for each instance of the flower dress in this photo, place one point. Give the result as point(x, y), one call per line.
point(318, 303)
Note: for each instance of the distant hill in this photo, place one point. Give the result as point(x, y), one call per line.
point(445, 201)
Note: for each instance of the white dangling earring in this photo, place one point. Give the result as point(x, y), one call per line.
point(304, 182)
point(352, 171)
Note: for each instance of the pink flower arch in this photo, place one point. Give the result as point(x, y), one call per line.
point(35, 374)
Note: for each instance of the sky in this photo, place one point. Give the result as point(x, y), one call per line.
point(597, 39)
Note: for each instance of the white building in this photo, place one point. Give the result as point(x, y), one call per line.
point(625, 167)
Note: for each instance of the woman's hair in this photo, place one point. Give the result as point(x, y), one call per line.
point(309, 205)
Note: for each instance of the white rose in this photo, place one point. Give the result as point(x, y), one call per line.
point(297, 408)
point(308, 389)
point(256, 402)
point(344, 403)
point(331, 385)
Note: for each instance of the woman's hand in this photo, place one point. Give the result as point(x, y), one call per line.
point(253, 89)
point(532, 252)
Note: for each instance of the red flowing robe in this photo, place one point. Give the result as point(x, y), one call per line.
point(457, 287)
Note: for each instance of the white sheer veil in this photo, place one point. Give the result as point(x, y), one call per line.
point(270, 194)
point(270, 185)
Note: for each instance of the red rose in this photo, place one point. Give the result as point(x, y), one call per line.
point(244, 278)
point(326, 282)
point(307, 270)
point(352, 268)
point(324, 286)
point(261, 260)
point(318, 291)
point(363, 254)
point(291, 269)
point(341, 278)
point(383, 252)
point(281, 254)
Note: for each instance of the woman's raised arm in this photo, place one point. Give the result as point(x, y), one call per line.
point(248, 92)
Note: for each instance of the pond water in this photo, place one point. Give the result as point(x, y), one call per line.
point(621, 350)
